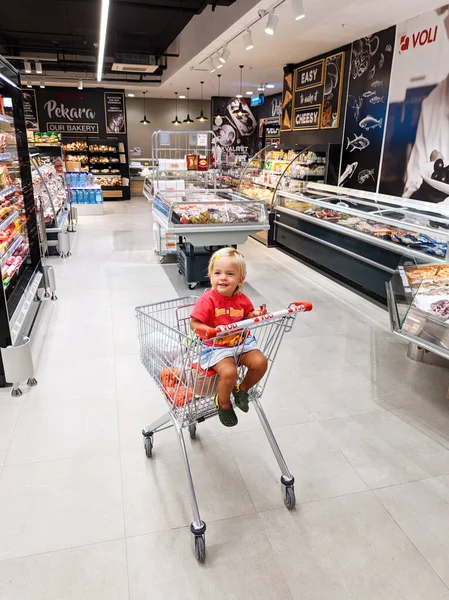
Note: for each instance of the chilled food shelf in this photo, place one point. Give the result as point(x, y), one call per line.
point(6, 119)
point(9, 190)
point(4, 156)
point(6, 222)
point(12, 248)
point(61, 221)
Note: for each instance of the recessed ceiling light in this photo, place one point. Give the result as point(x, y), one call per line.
point(182, 97)
point(239, 96)
point(249, 93)
point(131, 95)
point(270, 85)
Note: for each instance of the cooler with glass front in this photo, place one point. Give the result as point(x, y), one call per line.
point(281, 167)
point(20, 258)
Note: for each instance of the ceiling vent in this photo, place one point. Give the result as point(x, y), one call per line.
point(136, 63)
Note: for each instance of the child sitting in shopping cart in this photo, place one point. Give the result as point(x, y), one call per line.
point(223, 304)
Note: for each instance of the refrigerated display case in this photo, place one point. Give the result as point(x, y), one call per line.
point(359, 236)
point(20, 258)
point(203, 220)
point(229, 175)
point(418, 305)
point(50, 193)
point(280, 167)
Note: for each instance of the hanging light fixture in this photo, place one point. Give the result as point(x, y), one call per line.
point(176, 121)
point(188, 120)
point(202, 118)
point(144, 121)
point(218, 114)
point(239, 111)
point(272, 23)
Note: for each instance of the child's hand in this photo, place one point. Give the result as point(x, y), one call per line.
point(261, 311)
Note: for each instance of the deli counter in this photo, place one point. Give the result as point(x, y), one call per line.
point(360, 237)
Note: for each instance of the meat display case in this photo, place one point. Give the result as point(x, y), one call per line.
point(418, 305)
point(197, 222)
point(20, 258)
point(360, 236)
point(280, 167)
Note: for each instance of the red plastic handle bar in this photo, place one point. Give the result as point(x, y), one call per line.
point(206, 332)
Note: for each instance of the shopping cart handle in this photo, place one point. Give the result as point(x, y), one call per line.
point(205, 332)
point(305, 305)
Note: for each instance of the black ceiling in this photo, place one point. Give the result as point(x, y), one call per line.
point(70, 27)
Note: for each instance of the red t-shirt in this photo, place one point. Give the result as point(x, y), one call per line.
point(213, 309)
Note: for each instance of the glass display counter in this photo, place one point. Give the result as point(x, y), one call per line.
point(361, 237)
point(278, 167)
point(418, 304)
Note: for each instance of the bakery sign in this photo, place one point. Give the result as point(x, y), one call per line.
point(67, 111)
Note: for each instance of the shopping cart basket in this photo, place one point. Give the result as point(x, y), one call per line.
point(171, 353)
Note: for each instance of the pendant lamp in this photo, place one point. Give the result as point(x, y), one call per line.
point(202, 118)
point(188, 120)
point(239, 111)
point(176, 121)
point(144, 121)
point(218, 114)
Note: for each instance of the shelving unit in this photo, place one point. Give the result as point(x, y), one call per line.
point(114, 180)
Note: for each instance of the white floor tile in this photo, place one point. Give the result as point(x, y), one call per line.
point(349, 548)
point(97, 572)
point(240, 563)
point(60, 504)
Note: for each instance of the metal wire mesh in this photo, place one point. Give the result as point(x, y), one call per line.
point(171, 354)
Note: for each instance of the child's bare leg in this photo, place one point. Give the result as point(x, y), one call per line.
point(257, 365)
point(227, 372)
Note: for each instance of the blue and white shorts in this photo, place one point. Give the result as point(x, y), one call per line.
point(211, 355)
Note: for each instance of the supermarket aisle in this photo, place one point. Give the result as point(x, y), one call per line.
point(83, 513)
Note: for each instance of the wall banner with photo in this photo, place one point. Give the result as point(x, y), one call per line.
point(236, 134)
point(416, 147)
point(369, 81)
point(30, 109)
point(114, 109)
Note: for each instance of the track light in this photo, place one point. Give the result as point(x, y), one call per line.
point(80, 84)
point(224, 55)
point(211, 65)
point(27, 66)
point(298, 9)
point(29, 84)
point(42, 84)
point(102, 37)
point(272, 23)
point(216, 64)
point(248, 40)
point(38, 68)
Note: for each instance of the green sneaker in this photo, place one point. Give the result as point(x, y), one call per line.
point(227, 416)
point(241, 398)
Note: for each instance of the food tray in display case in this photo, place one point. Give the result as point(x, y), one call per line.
point(206, 217)
point(418, 304)
point(344, 230)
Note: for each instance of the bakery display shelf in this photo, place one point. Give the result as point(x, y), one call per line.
point(103, 152)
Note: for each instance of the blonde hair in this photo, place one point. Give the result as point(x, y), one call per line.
point(232, 254)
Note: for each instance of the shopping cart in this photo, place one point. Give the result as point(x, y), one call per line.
point(171, 353)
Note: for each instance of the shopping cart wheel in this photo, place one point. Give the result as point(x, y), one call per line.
point(289, 497)
point(148, 445)
point(200, 548)
point(192, 431)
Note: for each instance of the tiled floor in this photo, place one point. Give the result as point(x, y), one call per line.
point(84, 515)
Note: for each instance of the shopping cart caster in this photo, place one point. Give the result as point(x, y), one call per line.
point(192, 431)
point(200, 548)
point(32, 382)
point(288, 491)
point(148, 445)
point(192, 286)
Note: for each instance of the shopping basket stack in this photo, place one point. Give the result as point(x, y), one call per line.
point(171, 353)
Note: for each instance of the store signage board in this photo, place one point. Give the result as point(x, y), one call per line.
point(310, 75)
point(73, 127)
point(257, 100)
point(30, 109)
point(309, 97)
point(114, 111)
point(307, 118)
point(202, 139)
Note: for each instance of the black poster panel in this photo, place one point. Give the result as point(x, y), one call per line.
point(287, 103)
point(309, 75)
point(307, 118)
point(370, 71)
point(236, 134)
point(309, 97)
point(114, 104)
point(75, 112)
point(333, 87)
point(30, 109)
